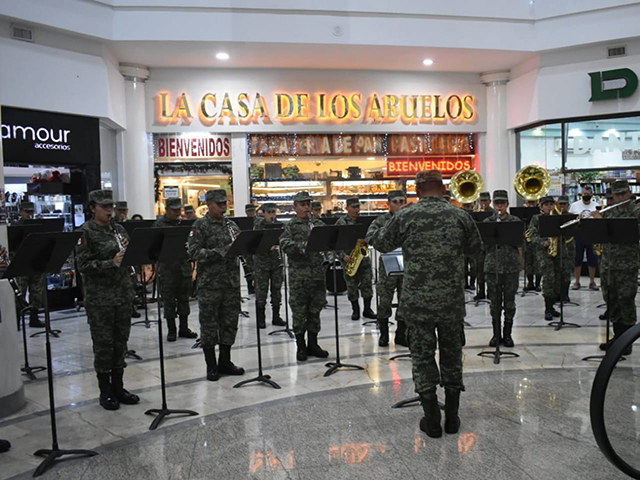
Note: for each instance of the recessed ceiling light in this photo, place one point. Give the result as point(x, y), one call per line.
point(428, 62)
point(222, 56)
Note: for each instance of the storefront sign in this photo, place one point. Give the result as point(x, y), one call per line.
point(31, 137)
point(224, 108)
point(403, 167)
point(188, 147)
point(613, 84)
point(431, 144)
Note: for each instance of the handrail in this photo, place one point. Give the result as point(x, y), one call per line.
point(598, 393)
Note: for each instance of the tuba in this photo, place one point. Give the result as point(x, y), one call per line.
point(532, 183)
point(465, 186)
point(359, 252)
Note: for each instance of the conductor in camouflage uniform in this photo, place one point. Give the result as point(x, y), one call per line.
point(502, 272)
point(361, 282)
point(307, 289)
point(268, 273)
point(621, 283)
point(218, 284)
point(175, 280)
point(108, 292)
point(435, 237)
point(33, 283)
point(387, 286)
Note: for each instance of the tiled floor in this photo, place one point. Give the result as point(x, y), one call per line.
point(524, 418)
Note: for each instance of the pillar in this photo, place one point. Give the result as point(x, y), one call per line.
point(496, 168)
point(240, 168)
point(137, 172)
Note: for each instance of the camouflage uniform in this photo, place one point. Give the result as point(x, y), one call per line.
point(249, 262)
point(268, 275)
point(361, 282)
point(34, 284)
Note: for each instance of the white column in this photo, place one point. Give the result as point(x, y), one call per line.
point(496, 166)
point(240, 167)
point(137, 173)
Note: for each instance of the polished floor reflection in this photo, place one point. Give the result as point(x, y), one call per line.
point(525, 418)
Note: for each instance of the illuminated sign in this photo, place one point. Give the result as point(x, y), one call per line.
point(191, 146)
point(402, 167)
point(224, 108)
point(431, 144)
point(613, 84)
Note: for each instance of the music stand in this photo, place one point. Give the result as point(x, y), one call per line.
point(550, 227)
point(494, 234)
point(331, 239)
point(525, 214)
point(152, 246)
point(394, 267)
point(43, 253)
point(251, 242)
point(478, 217)
point(613, 231)
point(329, 220)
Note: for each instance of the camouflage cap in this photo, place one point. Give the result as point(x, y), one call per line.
point(563, 199)
point(189, 209)
point(219, 195)
point(429, 176)
point(269, 207)
point(27, 207)
point(499, 196)
point(173, 203)
point(608, 194)
point(249, 206)
point(547, 199)
point(396, 194)
point(620, 186)
point(316, 205)
point(302, 196)
point(101, 197)
point(121, 205)
point(487, 195)
point(353, 202)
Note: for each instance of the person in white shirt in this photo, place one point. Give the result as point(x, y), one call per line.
point(585, 207)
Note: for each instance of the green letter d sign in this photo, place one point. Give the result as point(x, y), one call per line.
point(622, 84)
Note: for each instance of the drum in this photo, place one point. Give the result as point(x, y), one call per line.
point(341, 285)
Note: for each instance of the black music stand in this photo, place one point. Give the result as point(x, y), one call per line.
point(331, 239)
point(478, 217)
point(494, 234)
point(151, 246)
point(42, 253)
point(252, 242)
point(394, 267)
point(613, 231)
point(525, 214)
point(550, 227)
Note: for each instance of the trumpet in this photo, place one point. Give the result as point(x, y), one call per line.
point(577, 220)
point(247, 271)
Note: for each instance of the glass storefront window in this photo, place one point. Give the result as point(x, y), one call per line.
point(191, 188)
point(541, 146)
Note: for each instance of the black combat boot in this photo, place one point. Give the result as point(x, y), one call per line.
point(356, 310)
point(451, 407)
point(548, 309)
point(262, 323)
point(430, 423)
point(537, 286)
point(301, 353)
point(367, 312)
point(134, 312)
point(616, 333)
point(472, 282)
point(481, 295)
point(34, 321)
point(401, 334)
point(108, 399)
point(383, 326)
point(184, 331)
point(605, 315)
point(313, 349)
point(117, 384)
point(507, 341)
point(530, 285)
point(497, 334)
point(212, 366)
point(276, 320)
point(225, 365)
point(171, 327)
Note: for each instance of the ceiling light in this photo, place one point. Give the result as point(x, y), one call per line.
point(222, 56)
point(428, 62)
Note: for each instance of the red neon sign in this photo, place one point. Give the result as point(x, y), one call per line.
point(404, 167)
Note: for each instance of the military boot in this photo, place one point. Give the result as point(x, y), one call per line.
point(605, 315)
point(34, 321)
point(481, 294)
point(225, 365)
point(537, 286)
point(276, 320)
point(367, 312)
point(313, 349)
point(356, 310)
point(301, 353)
point(548, 309)
point(430, 423)
point(497, 335)
point(383, 326)
point(184, 331)
point(616, 333)
point(171, 327)
point(108, 400)
point(451, 407)
point(117, 384)
point(530, 286)
point(401, 334)
point(507, 341)
point(262, 323)
point(212, 366)
point(472, 282)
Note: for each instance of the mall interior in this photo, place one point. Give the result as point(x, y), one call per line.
point(161, 101)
